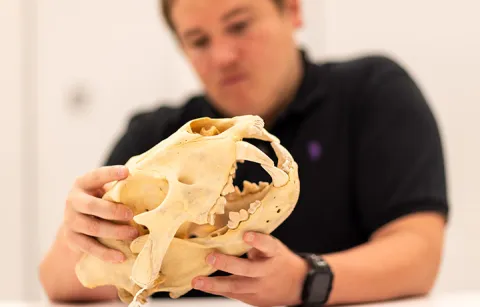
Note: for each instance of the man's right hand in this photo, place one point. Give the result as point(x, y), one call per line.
point(87, 216)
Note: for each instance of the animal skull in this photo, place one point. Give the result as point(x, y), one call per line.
point(185, 205)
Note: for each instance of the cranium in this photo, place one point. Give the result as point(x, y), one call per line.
point(185, 205)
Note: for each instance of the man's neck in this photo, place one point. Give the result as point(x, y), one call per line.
point(287, 96)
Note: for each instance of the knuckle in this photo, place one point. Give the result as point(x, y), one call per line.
point(93, 226)
point(90, 205)
point(249, 271)
point(116, 211)
point(123, 232)
point(233, 286)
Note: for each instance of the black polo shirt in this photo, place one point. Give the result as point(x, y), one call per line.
point(366, 142)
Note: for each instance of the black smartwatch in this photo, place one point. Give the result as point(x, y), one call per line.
point(318, 282)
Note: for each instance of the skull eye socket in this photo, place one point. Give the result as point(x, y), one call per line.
point(209, 127)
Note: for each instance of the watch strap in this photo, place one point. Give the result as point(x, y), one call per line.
point(317, 265)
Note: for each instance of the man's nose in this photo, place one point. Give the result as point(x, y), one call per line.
point(224, 53)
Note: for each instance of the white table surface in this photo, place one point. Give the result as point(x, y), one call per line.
point(453, 299)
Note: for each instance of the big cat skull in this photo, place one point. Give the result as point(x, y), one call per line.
point(185, 205)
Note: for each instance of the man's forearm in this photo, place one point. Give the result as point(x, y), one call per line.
point(398, 262)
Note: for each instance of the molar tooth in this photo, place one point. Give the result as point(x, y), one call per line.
point(246, 151)
point(243, 215)
point(232, 225)
point(254, 206)
point(234, 220)
point(234, 216)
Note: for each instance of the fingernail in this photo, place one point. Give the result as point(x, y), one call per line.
point(211, 259)
point(121, 171)
point(198, 283)
point(249, 237)
point(128, 214)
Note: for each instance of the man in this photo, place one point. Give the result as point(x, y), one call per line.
point(373, 201)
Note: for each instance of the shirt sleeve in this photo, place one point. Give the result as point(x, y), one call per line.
point(398, 160)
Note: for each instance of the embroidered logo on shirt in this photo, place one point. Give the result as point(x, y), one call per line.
point(314, 150)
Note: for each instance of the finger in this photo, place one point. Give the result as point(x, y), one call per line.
point(97, 178)
point(92, 205)
point(238, 266)
point(95, 227)
point(255, 254)
point(91, 246)
point(226, 284)
point(266, 244)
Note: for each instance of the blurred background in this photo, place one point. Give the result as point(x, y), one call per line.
point(73, 71)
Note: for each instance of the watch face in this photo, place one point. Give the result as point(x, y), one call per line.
point(319, 289)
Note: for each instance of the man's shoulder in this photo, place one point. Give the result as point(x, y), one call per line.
point(359, 79)
point(362, 66)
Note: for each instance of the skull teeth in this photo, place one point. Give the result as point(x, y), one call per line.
point(228, 188)
point(235, 218)
point(254, 206)
point(249, 187)
point(246, 151)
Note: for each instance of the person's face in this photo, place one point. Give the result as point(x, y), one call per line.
point(243, 51)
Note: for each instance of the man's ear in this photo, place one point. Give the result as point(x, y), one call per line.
point(294, 9)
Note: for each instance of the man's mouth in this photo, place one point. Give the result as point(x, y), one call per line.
point(233, 80)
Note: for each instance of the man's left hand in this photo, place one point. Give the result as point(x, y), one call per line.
point(271, 276)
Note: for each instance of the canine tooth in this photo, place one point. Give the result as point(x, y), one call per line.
point(246, 151)
point(279, 177)
point(243, 215)
point(267, 136)
point(228, 188)
point(284, 157)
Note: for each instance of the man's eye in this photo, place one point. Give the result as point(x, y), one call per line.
point(238, 27)
point(201, 42)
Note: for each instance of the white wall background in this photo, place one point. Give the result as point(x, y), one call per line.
point(11, 132)
point(71, 73)
point(439, 43)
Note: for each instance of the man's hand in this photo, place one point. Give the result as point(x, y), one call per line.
point(272, 275)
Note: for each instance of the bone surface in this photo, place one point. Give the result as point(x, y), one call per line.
point(186, 206)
